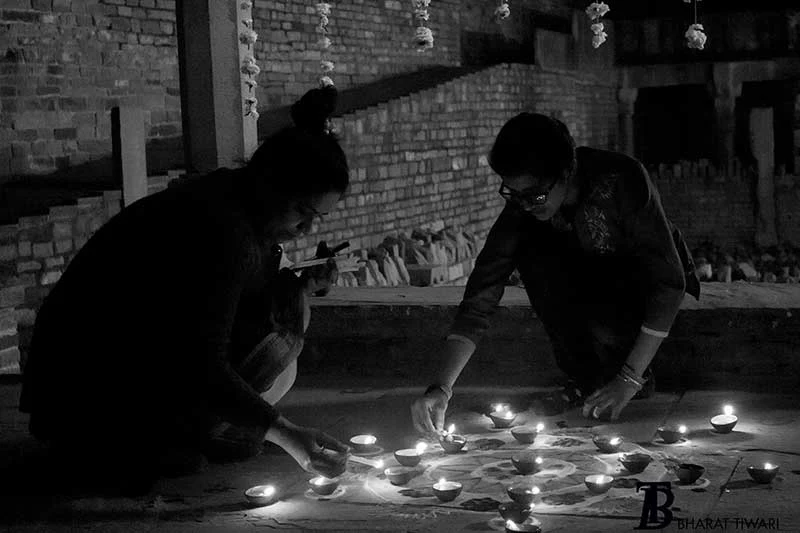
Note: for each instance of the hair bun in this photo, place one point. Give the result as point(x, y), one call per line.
point(311, 112)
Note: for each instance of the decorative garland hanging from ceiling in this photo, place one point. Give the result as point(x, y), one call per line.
point(327, 66)
point(596, 11)
point(423, 36)
point(695, 36)
point(502, 11)
point(249, 67)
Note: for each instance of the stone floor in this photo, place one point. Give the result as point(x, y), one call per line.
point(212, 501)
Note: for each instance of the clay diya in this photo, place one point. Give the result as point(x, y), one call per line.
point(671, 434)
point(607, 444)
point(447, 491)
point(513, 527)
point(452, 443)
point(522, 493)
point(516, 512)
point(398, 475)
point(527, 463)
point(635, 462)
point(598, 483)
point(363, 443)
point(763, 474)
point(323, 486)
point(261, 495)
point(410, 456)
point(502, 417)
point(725, 422)
point(525, 434)
point(689, 473)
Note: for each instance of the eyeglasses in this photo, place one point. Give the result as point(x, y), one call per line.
point(530, 197)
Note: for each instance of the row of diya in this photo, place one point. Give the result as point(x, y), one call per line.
point(522, 496)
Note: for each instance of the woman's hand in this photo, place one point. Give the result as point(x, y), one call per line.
point(428, 412)
point(319, 279)
point(314, 450)
point(615, 395)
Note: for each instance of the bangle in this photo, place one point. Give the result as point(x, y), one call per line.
point(630, 381)
point(448, 392)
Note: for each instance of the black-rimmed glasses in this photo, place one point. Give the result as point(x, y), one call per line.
point(530, 197)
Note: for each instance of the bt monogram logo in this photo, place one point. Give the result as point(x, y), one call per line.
point(651, 517)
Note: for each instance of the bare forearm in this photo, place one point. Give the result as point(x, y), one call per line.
point(457, 353)
point(643, 352)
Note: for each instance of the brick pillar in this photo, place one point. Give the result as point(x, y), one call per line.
point(762, 144)
point(726, 89)
point(215, 131)
point(626, 98)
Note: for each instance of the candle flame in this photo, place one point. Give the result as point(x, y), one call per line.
point(768, 466)
point(451, 429)
point(379, 463)
point(510, 524)
point(728, 410)
point(498, 407)
point(539, 460)
point(682, 429)
point(421, 447)
point(442, 481)
point(268, 491)
point(614, 441)
point(509, 414)
point(539, 426)
point(535, 490)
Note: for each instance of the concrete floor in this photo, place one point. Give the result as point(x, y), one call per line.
point(213, 500)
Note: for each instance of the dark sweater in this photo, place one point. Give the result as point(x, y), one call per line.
point(619, 214)
point(148, 319)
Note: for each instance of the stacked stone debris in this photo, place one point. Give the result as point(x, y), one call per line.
point(425, 258)
point(770, 264)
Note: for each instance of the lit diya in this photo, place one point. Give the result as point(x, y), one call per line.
point(598, 483)
point(607, 444)
point(635, 462)
point(363, 443)
point(452, 443)
point(410, 456)
point(261, 495)
point(323, 486)
point(725, 422)
point(672, 434)
point(689, 473)
point(513, 527)
point(502, 416)
point(447, 491)
point(522, 493)
point(763, 474)
point(399, 475)
point(516, 512)
point(525, 434)
point(527, 463)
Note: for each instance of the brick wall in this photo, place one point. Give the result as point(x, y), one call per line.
point(422, 158)
point(719, 206)
point(66, 63)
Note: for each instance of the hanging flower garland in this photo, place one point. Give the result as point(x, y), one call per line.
point(423, 36)
point(596, 11)
point(695, 36)
point(249, 67)
point(324, 11)
point(502, 11)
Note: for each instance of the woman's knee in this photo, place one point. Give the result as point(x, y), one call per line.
point(281, 385)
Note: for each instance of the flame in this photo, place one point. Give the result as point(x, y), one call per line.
point(498, 407)
point(379, 464)
point(268, 491)
point(728, 410)
point(539, 426)
point(421, 447)
point(682, 429)
point(451, 429)
point(768, 466)
point(539, 460)
point(509, 414)
point(614, 441)
point(442, 481)
point(535, 490)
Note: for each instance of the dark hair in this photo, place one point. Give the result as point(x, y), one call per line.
point(535, 143)
point(305, 158)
